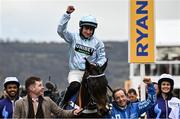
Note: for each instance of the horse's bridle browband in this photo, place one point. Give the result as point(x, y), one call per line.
point(95, 76)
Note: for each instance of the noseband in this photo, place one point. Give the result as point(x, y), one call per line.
point(95, 76)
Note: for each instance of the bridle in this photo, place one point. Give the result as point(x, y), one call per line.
point(98, 76)
point(92, 98)
point(95, 76)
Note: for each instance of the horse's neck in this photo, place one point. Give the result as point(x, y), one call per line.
point(83, 98)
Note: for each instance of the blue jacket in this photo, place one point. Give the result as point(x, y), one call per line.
point(79, 48)
point(6, 108)
point(165, 108)
point(134, 110)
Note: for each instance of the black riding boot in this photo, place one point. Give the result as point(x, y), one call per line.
point(71, 90)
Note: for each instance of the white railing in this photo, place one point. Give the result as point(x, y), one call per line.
point(154, 70)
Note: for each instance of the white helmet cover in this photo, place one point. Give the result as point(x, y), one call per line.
point(89, 21)
point(9, 80)
point(166, 77)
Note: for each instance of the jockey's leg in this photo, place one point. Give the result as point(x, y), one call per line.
point(71, 90)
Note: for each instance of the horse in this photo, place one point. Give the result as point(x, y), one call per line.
point(92, 96)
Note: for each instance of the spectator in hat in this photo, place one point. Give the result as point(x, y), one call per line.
point(166, 106)
point(11, 94)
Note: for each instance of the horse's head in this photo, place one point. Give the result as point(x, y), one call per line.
point(93, 69)
point(96, 84)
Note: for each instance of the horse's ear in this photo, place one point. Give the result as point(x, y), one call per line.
point(87, 63)
point(103, 67)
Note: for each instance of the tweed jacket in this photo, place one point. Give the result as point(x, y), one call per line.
point(48, 106)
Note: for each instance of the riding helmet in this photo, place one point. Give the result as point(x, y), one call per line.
point(166, 77)
point(88, 21)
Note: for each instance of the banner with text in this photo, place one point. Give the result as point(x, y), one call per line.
point(142, 43)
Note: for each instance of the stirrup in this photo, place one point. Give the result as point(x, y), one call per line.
point(61, 99)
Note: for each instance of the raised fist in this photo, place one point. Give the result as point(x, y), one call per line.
point(147, 80)
point(70, 9)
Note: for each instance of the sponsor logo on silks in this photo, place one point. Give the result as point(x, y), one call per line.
point(142, 31)
point(174, 104)
point(84, 49)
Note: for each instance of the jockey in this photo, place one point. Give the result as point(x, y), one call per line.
point(81, 45)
